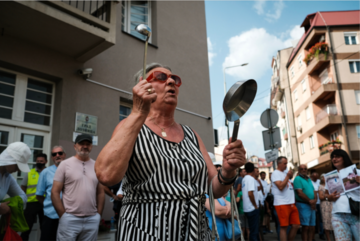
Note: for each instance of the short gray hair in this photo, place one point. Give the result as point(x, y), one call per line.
point(149, 67)
point(280, 159)
point(62, 148)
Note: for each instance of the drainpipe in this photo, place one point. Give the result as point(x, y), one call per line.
point(340, 95)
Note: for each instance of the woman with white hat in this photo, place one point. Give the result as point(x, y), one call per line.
point(14, 158)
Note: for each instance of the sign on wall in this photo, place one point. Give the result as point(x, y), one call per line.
point(85, 123)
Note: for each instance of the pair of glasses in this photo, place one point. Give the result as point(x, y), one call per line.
point(163, 77)
point(302, 169)
point(55, 153)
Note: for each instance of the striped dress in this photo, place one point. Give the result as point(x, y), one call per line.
point(164, 190)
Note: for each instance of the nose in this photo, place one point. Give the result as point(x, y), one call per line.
point(170, 81)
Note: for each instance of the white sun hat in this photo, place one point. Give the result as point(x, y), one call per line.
point(16, 153)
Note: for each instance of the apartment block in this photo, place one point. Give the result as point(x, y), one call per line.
point(280, 100)
point(324, 76)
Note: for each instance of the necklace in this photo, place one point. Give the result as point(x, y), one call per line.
point(163, 132)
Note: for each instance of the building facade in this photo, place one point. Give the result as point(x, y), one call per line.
point(262, 165)
point(324, 76)
point(44, 101)
point(281, 102)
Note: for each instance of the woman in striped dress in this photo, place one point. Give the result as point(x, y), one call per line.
point(164, 166)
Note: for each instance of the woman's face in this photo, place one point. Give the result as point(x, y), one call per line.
point(167, 92)
point(338, 162)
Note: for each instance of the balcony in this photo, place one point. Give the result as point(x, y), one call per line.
point(316, 65)
point(79, 29)
point(328, 110)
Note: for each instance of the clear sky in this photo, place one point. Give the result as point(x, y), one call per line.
point(252, 32)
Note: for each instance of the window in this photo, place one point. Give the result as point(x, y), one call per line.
point(357, 96)
point(125, 111)
point(300, 60)
point(324, 77)
point(133, 14)
point(308, 114)
point(302, 147)
point(34, 107)
point(358, 131)
point(303, 84)
point(292, 73)
point(333, 136)
point(354, 66)
point(350, 38)
point(295, 95)
point(299, 120)
point(311, 142)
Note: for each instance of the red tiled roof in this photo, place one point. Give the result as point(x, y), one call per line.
point(321, 19)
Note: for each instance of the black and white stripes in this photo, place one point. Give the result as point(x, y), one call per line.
point(164, 189)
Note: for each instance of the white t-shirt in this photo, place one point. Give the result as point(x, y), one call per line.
point(249, 184)
point(342, 204)
point(265, 187)
point(287, 195)
point(316, 188)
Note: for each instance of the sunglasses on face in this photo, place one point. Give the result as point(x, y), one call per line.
point(55, 153)
point(163, 77)
point(302, 169)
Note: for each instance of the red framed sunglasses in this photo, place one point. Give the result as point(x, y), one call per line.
point(162, 77)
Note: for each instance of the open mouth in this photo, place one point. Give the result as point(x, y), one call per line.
point(171, 91)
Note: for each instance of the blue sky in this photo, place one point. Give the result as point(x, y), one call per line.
point(252, 32)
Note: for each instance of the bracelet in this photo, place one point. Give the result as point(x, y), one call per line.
point(228, 181)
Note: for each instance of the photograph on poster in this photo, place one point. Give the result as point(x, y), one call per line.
point(333, 182)
point(348, 176)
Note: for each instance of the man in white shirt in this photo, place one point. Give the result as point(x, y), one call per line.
point(251, 201)
point(266, 221)
point(319, 225)
point(284, 200)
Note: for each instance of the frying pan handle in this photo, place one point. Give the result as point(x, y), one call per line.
point(235, 130)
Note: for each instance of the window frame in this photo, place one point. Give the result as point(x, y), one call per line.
point(303, 85)
point(334, 135)
point(350, 34)
point(296, 97)
point(125, 105)
point(302, 147)
point(357, 96)
point(354, 65)
point(292, 72)
point(308, 113)
point(312, 144)
point(299, 120)
point(300, 61)
point(357, 127)
point(126, 27)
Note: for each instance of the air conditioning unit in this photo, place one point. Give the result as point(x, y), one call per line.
point(299, 128)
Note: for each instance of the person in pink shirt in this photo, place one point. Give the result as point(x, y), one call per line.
point(83, 196)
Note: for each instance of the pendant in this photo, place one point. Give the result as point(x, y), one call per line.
point(163, 133)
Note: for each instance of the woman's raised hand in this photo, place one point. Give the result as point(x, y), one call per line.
point(233, 157)
point(143, 95)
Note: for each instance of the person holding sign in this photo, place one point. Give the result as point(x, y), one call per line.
point(344, 222)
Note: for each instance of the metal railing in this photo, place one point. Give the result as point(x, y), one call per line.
point(328, 110)
point(98, 9)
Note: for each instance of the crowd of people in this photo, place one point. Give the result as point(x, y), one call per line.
point(158, 173)
point(296, 204)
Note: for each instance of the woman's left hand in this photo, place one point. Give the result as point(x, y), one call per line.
point(233, 157)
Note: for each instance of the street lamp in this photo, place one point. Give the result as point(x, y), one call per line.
point(228, 67)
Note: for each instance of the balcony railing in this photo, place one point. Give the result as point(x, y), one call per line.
point(326, 111)
point(98, 9)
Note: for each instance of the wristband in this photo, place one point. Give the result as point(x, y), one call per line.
point(227, 181)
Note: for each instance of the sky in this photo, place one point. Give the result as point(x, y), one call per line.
point(252, 32)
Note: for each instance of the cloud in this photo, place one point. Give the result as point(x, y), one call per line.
point(271, 15)
point(295, 34)
point(211, 54)
point(256, 47)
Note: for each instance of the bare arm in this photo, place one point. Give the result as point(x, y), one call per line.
point(220, 211)
point(321, 195)
point(235, 157)
point(110, 193)
point(55, 198)
point(40, 199)
point(113, 160)
point(252, 199)
point(100, 198)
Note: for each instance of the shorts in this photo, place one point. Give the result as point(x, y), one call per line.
point(244, 221)
point(307, 215)
point(287, 214)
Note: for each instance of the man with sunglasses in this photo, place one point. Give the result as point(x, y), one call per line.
point(43, 194)
point(306, 203)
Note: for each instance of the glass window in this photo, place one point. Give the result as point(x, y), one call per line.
point(295, 95)
point(292, 72)
point(7, 91)
point(302, 148)
point(300, 60)
point(308, 114)
point(303, 84)
point(124, 112)
point(350, 38)
point(41, 86)
point(299, 120)
point(354, 66)
point(133, 14)
point(357, 96)
point(311, 142)
point(324, 77)
point(333, 136)
point(358, 131)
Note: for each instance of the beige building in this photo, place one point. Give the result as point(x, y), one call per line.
point(43, 45)
point(325, 87)
point(281, 102)
point(262, 165)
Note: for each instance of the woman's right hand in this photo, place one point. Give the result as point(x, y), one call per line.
point(334, 196)
point(4, 208)
point(142, 97)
